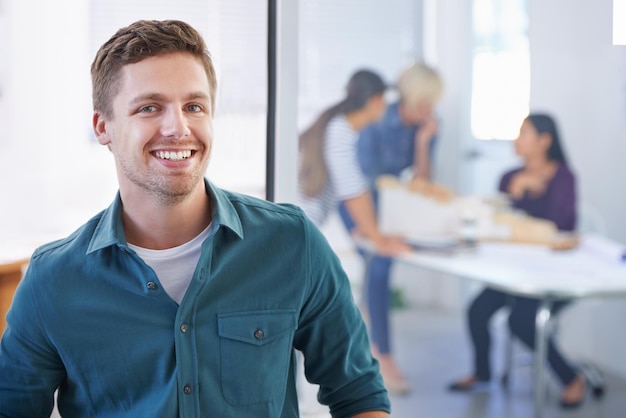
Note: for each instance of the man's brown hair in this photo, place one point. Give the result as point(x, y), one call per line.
point(140, 40)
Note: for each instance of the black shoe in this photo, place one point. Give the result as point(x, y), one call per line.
point(471, 386)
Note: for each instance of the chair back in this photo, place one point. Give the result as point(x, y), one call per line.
point(590, 220)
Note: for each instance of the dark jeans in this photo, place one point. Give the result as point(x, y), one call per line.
point(377, 291)
point(522, 325)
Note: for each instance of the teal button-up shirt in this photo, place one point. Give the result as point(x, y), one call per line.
point(91, 319)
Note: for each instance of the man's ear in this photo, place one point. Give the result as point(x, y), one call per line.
point(99, 123)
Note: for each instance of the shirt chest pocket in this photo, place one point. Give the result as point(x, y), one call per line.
point(256, 350)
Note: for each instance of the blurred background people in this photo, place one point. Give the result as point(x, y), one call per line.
point(329, 175)
point(402, 140)
point(544, 187)
point(405, 137)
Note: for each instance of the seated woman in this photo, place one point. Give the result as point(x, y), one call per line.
point(544, 187)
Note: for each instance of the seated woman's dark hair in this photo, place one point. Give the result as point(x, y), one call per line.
point(545, 123)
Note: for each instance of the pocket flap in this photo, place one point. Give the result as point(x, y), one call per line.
point(256, 327)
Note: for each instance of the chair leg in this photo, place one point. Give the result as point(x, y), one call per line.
point(594, 378)
point(590, 372)
point(508, 360)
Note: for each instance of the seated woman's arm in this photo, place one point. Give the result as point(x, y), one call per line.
point(561, 195)
point(562, 200)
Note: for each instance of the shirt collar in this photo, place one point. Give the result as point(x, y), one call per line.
point(392, 117)
point(110, 231)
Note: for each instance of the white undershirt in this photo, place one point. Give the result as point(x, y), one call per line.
point(174, 266)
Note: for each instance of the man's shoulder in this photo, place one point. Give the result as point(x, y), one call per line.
point(280, 222)
point(250, 205)
point(70, 246)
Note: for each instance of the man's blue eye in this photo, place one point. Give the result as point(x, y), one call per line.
point(147, 109)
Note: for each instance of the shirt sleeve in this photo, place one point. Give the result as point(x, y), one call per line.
point(343, 168)
point(562, 200)
point(333, 338)
point(30, 367)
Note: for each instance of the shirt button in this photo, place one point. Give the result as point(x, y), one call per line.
point(183, 327)
point(259, 334)
point(151, 285)
point(187, 389)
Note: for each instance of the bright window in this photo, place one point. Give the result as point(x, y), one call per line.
point(501, 68)
point(338, 37)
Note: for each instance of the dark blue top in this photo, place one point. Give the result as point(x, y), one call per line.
point(387, 147)
point(557, 204)
point(91, 319)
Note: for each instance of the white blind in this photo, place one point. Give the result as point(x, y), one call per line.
point(107, 16)
point(339, 36)
point(235, 33)
point(619, 22)
point(4, 68)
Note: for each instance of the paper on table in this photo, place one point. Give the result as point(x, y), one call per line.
point(604, 248)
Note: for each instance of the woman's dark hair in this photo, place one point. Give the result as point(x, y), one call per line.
point(545, 123)
point(362, 86)
point(312, 172)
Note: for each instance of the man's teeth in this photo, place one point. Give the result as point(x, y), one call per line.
point(173, 156)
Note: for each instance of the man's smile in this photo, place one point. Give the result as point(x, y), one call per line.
point(172, 155)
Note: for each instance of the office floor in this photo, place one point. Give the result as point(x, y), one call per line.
point(433, 350)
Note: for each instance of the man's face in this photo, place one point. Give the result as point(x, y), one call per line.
point(161, 130)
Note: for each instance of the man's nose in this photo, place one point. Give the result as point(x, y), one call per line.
point(174, 124)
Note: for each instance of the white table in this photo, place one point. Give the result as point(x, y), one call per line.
point(539, 272)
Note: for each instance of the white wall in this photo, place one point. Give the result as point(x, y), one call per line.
point(448, 41)
point(286, 101)
point(52, 174)
point(577, 74)
point(581, 77)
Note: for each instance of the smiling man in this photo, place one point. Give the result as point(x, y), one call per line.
point(180, 299)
